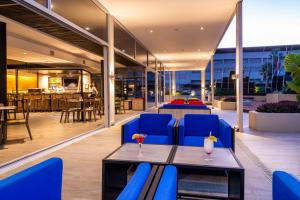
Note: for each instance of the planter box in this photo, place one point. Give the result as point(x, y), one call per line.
point(274, 122)
point(179, 113)
point(223, 105)
point(275, 98)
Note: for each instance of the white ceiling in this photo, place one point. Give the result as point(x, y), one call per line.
point(177, 38)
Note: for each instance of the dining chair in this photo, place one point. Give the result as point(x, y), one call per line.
point(22, 121)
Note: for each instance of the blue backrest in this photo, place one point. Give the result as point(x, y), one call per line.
point(167, 188)
point(285, 186)
point(136, 183)
point(201, 125)
point(154, 124)
point(40, 182)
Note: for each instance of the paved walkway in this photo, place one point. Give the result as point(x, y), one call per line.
point(82, 167)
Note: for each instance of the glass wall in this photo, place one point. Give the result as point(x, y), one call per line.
point(42, 2)
point(123, 40)
point(84, 13)
point(151, 61)
point(141, 54)
point(151, 89)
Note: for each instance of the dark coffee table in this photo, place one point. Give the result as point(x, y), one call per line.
point(118, 166)
point(220, 178)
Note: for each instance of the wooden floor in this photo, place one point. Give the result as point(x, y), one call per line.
point(46, 130)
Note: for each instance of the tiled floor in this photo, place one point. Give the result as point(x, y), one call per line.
point(46, 131)
point(258, 153)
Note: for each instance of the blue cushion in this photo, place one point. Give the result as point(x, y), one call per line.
point(136, 183)
point(154, 124)
point(285, 186)
point(199, 141)
point(167, 188)
point(201, 125)
point(155, 139)
point(42, 181)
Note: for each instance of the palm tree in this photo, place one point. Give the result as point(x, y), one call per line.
point(292, 65)
point(266, 72)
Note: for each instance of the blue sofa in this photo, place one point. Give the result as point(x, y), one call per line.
point(193, 128)
point(167, 187)
point(42, 181)
point(285, 186)
point(136, 183)
point(158, 127)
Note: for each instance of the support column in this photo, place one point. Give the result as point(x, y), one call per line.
point(239, 64)
point(212, 81)
point(156, 89)
point(173, 83)
point(203, 85)
point(3, 77)
point(109, 75)
point(146, 90)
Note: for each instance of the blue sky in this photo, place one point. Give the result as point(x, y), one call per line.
point(267, 22)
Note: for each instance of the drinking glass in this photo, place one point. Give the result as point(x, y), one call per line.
point(208, 148)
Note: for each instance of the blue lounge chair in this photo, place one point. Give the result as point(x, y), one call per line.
point(167, 188)
point(159, 128)
point(285, 186)
point(193, 128)
point(136, 183)
point(42, 181)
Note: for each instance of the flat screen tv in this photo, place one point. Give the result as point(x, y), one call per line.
point(70, 83)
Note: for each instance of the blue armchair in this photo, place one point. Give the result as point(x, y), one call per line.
point(42, 181)
point(158, 127)
point(136, 183)
point(285, 186)
point(167, 187)
point(193, 128)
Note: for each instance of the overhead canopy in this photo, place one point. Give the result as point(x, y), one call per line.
point(182, 34)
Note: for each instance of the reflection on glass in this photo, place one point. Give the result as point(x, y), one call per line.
point(84, 13)
point(141, 54)
point(151, 89)
point(123, 40)
point(151, 61)
point(42, 2)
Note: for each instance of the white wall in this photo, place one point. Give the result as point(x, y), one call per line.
point(43, 81)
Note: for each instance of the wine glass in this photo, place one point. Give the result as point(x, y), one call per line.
point(208, 148)
point(140, 139)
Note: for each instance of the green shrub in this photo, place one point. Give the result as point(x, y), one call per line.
point(280, 107)
point(292, 65)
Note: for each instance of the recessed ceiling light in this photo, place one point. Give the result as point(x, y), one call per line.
point(24, 53)
point(198, 49)
point(201, 28)
point(87, 28)
point(151, 31)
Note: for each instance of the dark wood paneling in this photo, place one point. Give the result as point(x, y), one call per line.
point(37, 19)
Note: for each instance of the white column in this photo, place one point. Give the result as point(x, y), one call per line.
point(173, 83)
point(203, 85)
point(170, 86)
point(212, 81)
point(109, 74)
point(239, 64)
point(156, 89)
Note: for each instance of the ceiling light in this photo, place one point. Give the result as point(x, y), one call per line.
point(151, 31)
point(51, 6)
point(201, 28)
point(198, 50)
point(24, 53)
point(87, 28)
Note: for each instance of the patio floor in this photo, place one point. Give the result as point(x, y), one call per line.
point(46, 131)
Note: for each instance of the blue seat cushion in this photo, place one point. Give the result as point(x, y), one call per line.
point(198, 141)
point(154, 124)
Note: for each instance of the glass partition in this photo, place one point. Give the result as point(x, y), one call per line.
point(123, 40)
point(141, 54)
point(42, 2)
point(84, 13)
point(150, 89)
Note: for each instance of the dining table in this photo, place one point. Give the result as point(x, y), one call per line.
point(3, 121)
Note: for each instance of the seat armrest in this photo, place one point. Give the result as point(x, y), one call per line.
point(136, 183)
point(181, 130)
point(129, 129)
point(167, 187)
point(226, 134)
point(171, 131)
point(285, 186)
